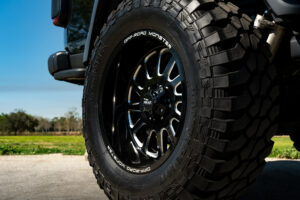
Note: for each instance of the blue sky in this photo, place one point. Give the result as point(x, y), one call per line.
point(27, 38)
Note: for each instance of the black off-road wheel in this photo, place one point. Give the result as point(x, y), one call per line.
point(180, 101)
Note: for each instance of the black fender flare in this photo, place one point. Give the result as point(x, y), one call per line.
point(101, 10)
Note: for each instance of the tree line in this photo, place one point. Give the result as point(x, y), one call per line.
point(19, 122)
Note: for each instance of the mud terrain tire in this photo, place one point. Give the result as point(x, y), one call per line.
point(232, 101)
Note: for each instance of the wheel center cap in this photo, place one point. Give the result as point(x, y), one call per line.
point(152, 101)
point(147, 105)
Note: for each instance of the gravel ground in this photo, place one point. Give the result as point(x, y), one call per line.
point(57, 177)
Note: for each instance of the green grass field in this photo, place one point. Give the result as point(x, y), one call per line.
point(35, 145)
point(283, 148)
point(74, 145)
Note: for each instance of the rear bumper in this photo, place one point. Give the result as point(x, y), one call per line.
point(65, 67)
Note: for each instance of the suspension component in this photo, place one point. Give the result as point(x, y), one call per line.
point(276, 33)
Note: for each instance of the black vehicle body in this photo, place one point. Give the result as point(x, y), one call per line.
point(83, 21)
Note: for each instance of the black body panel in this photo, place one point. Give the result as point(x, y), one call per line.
point(285, 7)
point(286, 12)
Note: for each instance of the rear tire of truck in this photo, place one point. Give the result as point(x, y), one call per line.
point(180, 101)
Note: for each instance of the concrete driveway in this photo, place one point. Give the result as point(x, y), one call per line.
point(47, 177)
point(57, 177)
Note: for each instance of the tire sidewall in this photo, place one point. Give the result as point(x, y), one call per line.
point(175, 168)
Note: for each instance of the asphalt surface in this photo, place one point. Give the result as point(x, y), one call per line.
point(57, 177)
point(280, 180)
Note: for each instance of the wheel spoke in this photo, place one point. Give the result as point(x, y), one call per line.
point(177, 111)
point(146, 145)
point(135, 86)
point(137, 126)
point(146, 64)
point(171, 135)
point(134, 107)
point(169, 67)
point(136, 153)
point(176, 81)
point(160, 141)
point(136, 73)
point(158, 67)
point(138, 89)
point(173, 132)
